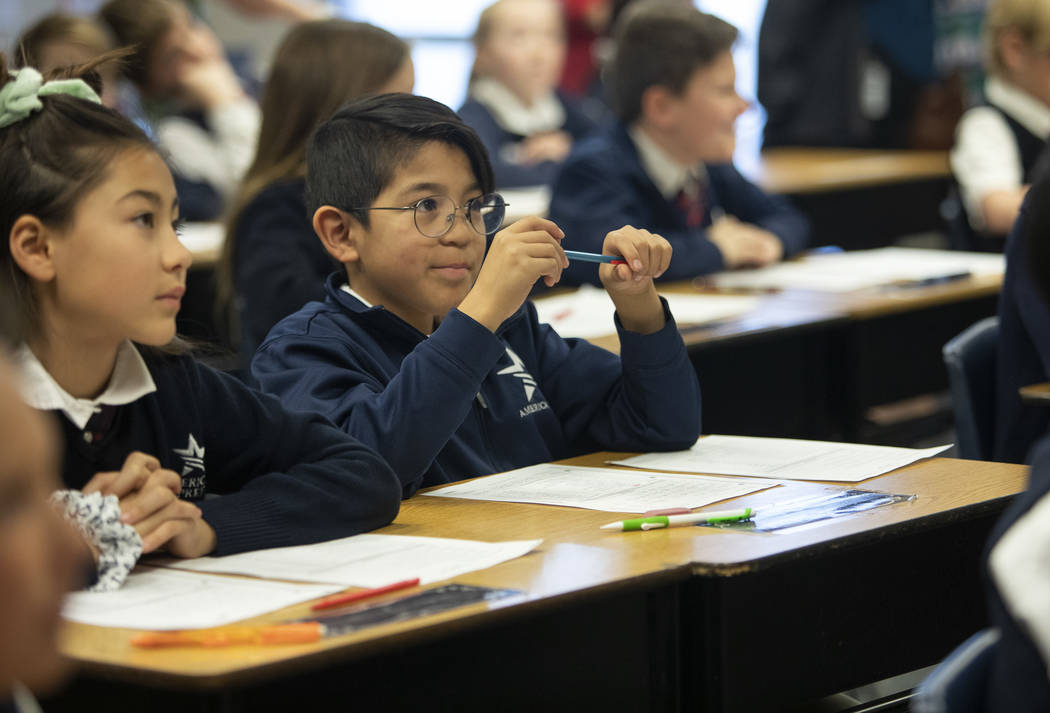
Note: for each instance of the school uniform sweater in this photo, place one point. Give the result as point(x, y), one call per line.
point(283, 478)
point(464, 401)
point(1022, 352)
point(279, 263)
point(604, 186)
point(1017, 578)
point(499, 141)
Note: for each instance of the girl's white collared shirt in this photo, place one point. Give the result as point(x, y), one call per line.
point(129, 382)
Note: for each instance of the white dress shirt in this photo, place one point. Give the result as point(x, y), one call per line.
point(985, 157)
point(129, 382)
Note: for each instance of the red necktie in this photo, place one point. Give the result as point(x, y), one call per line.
point(690, 200)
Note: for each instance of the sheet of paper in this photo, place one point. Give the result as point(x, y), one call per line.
point(588, 312)
point(366, 560)
point(154, 598)
point(608, 489)
point(859, 269)
point(786, 458)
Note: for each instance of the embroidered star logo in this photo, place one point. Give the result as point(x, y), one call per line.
point(192, 456)
point(517, 369)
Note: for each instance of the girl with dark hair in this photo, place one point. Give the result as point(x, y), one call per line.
point(98, 273)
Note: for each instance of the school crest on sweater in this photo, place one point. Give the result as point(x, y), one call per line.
point(528, 381)
point(193, 474)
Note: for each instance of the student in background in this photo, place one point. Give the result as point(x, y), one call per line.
point(526, 124)
point(98, 273)
point(199, 112)
point(1018, 575)
point(272, 263)
point(63, 40)
point(1023, 349)
point(667, 164)
point(426, 348)
point(998, 144)
point(40, 556)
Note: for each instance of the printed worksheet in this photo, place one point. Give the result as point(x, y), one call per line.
point(588, 312)
point(365, 560)
point(787, 458)
point(611, 489)
point(859, 269)
point(161, 599)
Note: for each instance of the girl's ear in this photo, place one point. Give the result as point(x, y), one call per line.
point(338, 232)
point(30, 246)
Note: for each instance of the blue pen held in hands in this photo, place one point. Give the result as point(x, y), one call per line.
point(594, 257)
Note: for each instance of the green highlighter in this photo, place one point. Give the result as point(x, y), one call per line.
point(661, 521)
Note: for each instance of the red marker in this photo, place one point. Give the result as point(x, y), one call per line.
point(339, 599)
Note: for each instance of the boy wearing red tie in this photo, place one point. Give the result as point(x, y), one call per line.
point(666, 165)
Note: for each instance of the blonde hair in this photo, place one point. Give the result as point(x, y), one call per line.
point(486, 24)
point(1029, 18)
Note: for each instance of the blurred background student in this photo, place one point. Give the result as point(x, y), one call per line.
point(525, 122)
point(200, 114)
point(272, 263)
point(63, 40)
point(41, 557)
point(999, 143)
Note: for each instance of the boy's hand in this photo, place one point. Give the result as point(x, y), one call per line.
point(519, 255)
point(743, 244)
point(149, 502)
point(631, 286)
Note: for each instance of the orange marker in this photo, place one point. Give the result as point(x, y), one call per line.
point(300, 633)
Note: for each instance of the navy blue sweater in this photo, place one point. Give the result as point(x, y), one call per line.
point(1023, 352)
point(1017, 682)
point(465, 402)
point(279, 263)
point(284, 478)
point(603, 186)
point(497, 140)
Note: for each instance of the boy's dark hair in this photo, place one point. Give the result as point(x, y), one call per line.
point(50, 160)
point(353, 156)
point(661, 43)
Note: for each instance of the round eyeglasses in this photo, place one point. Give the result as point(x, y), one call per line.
point(435, 215)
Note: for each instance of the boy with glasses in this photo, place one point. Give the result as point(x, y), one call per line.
point(427, 349)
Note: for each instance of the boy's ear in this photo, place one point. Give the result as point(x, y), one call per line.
point(1012, 47)
point(338, 232)
point(30, 245)
point(657, 105)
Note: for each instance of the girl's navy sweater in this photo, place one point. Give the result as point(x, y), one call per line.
point(281, 478)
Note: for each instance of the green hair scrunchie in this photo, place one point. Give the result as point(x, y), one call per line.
point(21, 97)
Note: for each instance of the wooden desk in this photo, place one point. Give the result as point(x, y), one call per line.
point(682, 619)
point(1036, 394)
point(860, 198)
point(814, 170)
point(809, 364)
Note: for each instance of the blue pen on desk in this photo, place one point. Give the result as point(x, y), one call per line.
point(594, 257)
point(932, 281)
